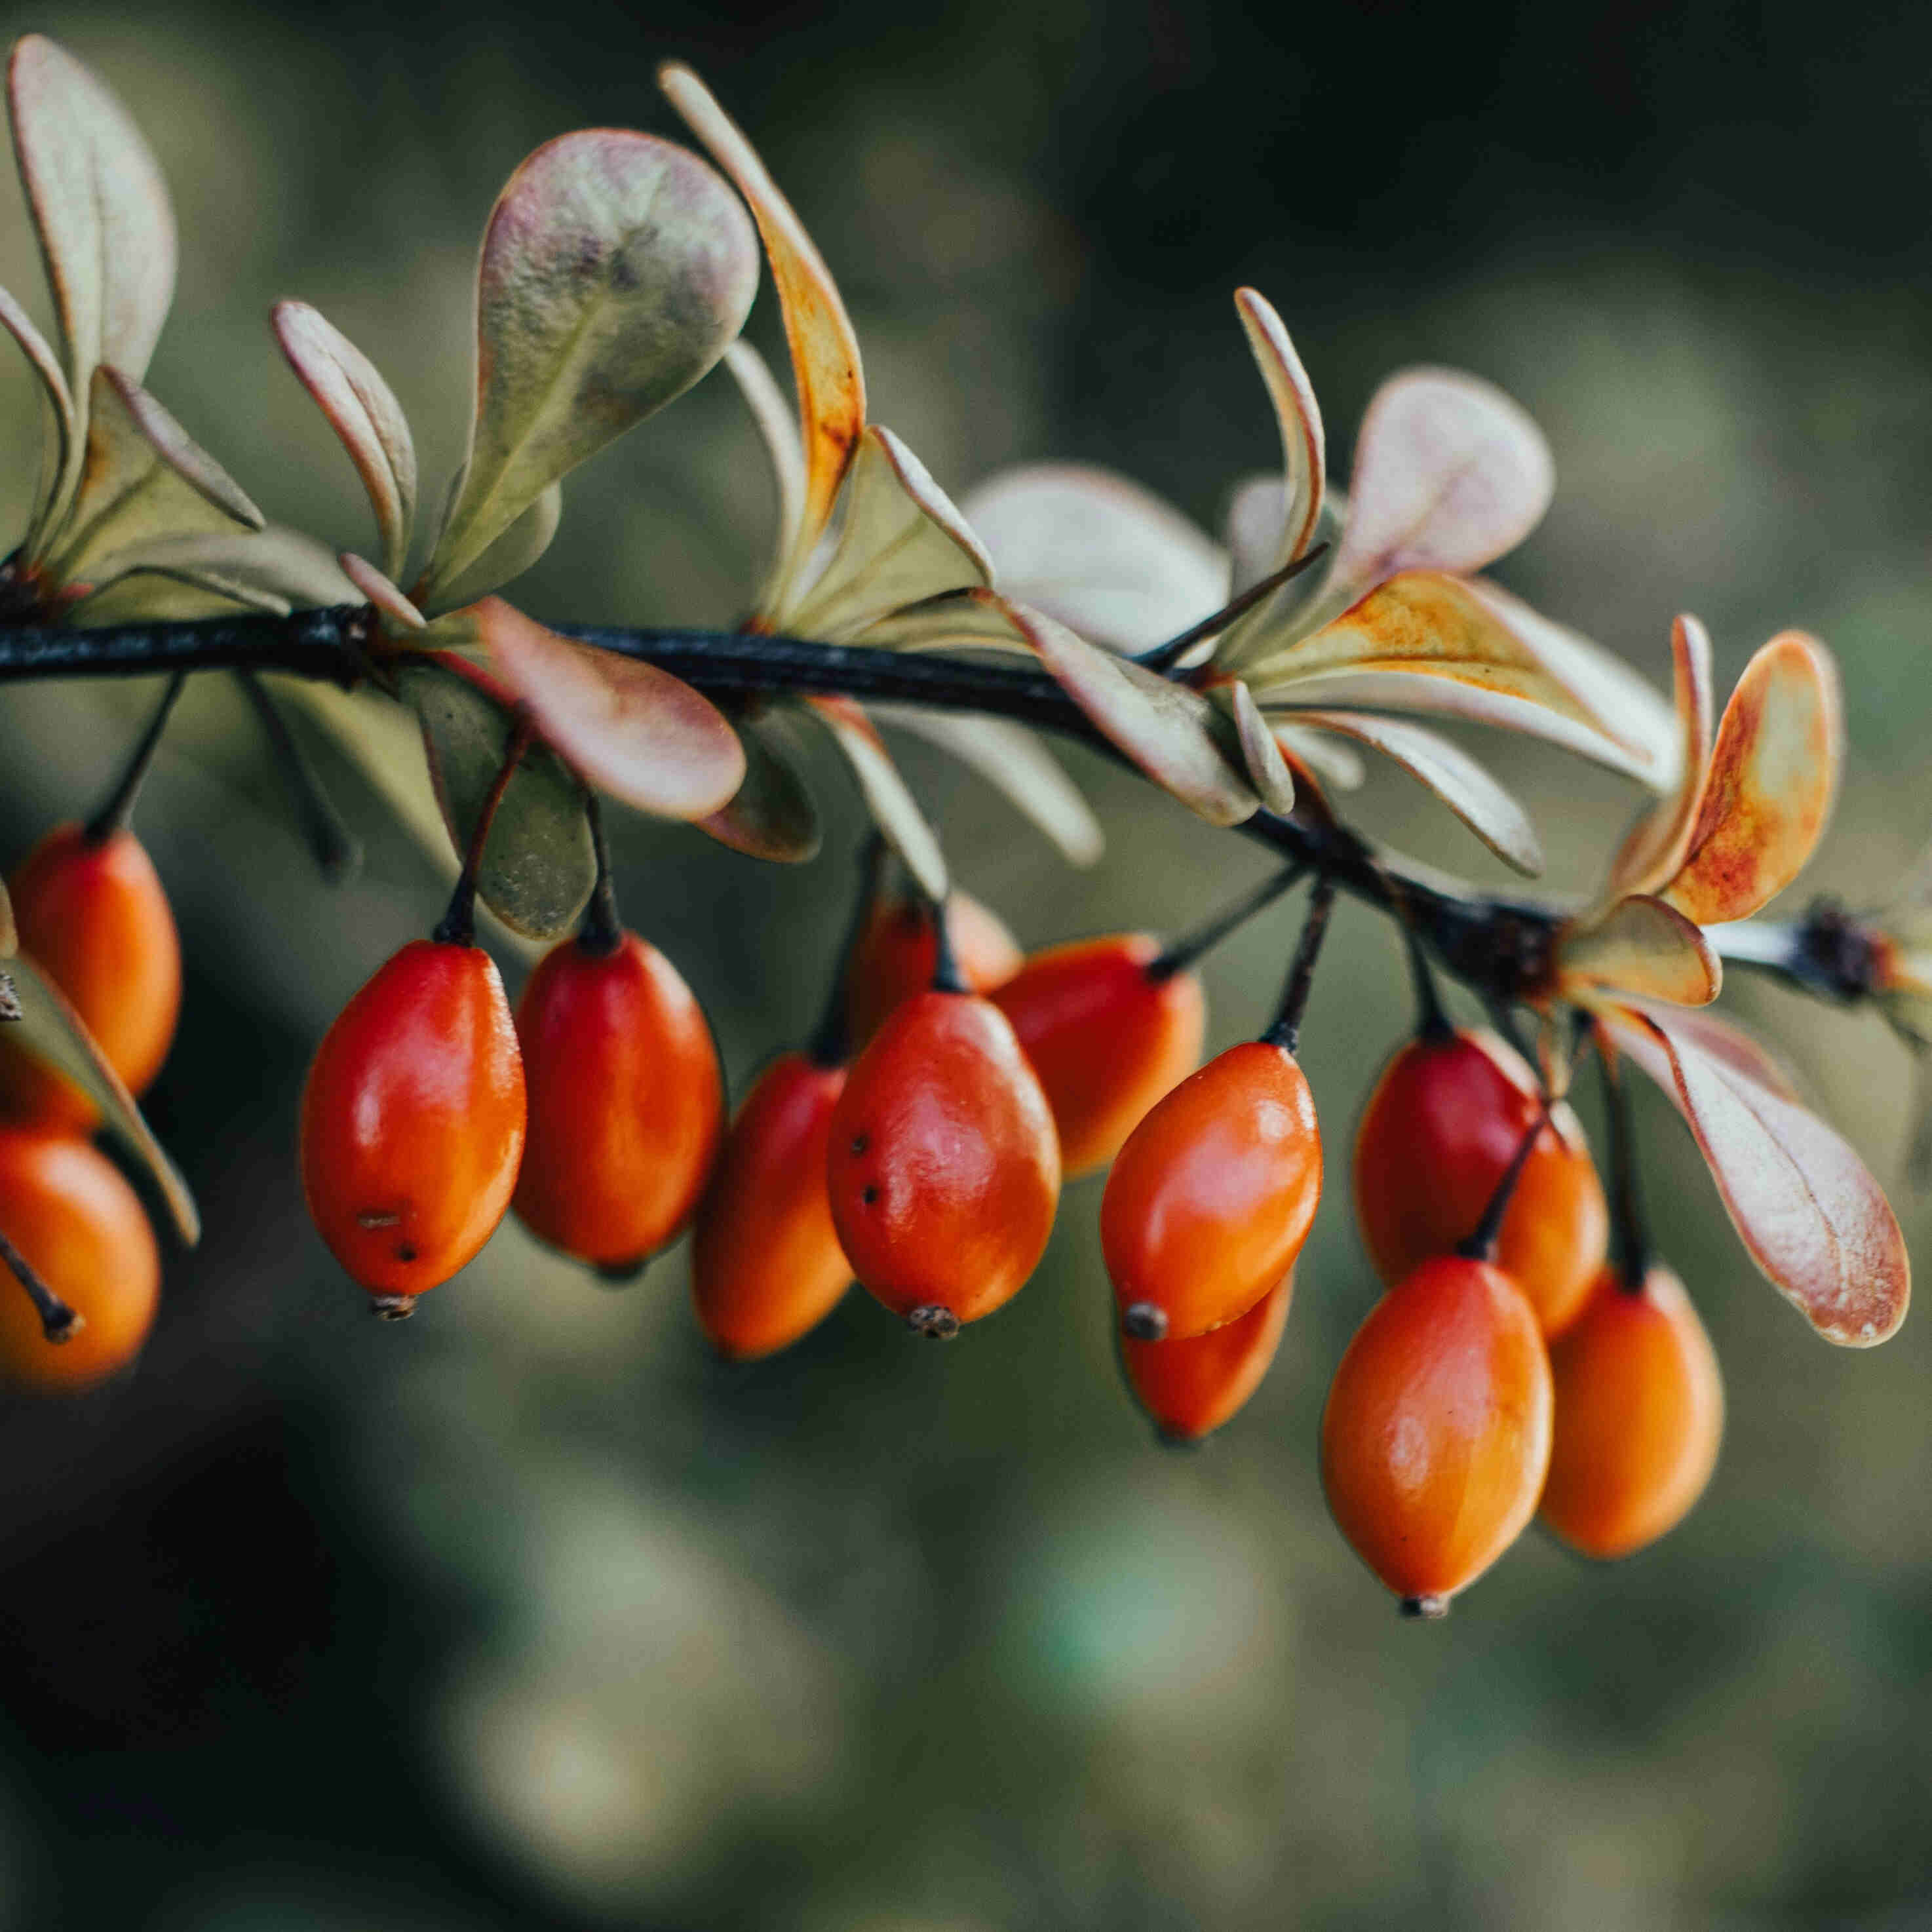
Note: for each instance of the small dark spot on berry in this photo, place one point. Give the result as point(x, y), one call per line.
point(405, 1251)
point(868, 1194)
point(859, 1143)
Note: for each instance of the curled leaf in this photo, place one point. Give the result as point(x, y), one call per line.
point(778, 430)
point(1304, 461)
point(772, 814)
point(894, 809)
point(1642, 946)
point(1655, 847)
point(50, 1030)
point(1318, 753)
point(1450, 473)
point(1011, 758)
point(362, 410)
point(1808, 1209)
point(46, 365)
point(1774, 772)
point(631, 729)
point(615, 269)
point(381, 592)
point(1253, 745)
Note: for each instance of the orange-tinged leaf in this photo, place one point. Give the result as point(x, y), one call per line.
point(1719, 1039)
point(1808, 1209)
point(1654, 848)
point(894, 811)
point(629, 729)
point(1773, 773)
point(1304, 461)
point(1643, 946)
point(381, 592)
point(1450, 474)
point(826, 369)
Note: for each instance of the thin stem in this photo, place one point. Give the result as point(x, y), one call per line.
point(1629, 1239)
point(118, 808)
point(602, 932)
point(1164, 657)
point(337, 850)
point(1193, 946)
point(1285, 1032)
point(59, 1322)
point(1431, 1023)
point(947, 977)
point(831, 1044)
point(458, 926)
point(1480, 1245)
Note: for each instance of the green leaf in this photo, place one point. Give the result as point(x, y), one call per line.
point(50, 1030)
point(772, 815)
point(276, 570)
point(615, 269)
point(539, 865)
point(510, 555)
point(778, 429)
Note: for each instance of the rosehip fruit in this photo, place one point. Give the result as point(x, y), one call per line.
point(1189, 1389)
point(94, 916)
point(1639, 1414)
point(943, 1166)
point(1436, 1435)
point(80, 1227)
point(412, 1121)
point(766, 1264)
point(626, 1101)
point(1443, 1121)
point(1107, 1038)
point(1210, 1200)
point(897, 950)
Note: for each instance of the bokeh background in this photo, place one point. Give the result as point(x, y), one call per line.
point(530, 1613)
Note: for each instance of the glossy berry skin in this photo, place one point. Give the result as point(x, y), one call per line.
point(1639, 1414)
point(1437, 1433)
point(95, 918)
point(1443, 1123)
point(1189, 1389)
point(626, 1101)
point(412, 1120)
point(897, 951)
point(766, 1264)
point(81, 1228)
point(943, 1166)
point(1209, 1202)
point(1106, 1040)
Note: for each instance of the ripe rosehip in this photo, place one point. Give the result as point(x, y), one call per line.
point(1439, 1129)
point(766, 1264)
point(95, 917)
point(1191, 1388)
point(897, 950)
point(944, 1168)
point(1209, 1202)
point(1640, 1412)
point(1436, 1436)
point(626, 1101)
point(81, 1228)
point(1107, 1038)
point(412, 1121)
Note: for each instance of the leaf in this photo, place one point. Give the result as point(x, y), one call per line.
point(363, 411)
point(538, 866)
point(106, 231)
point(143, 596)
point(509, 557)
point(1427, 643)
point(902, 542)
point(1464, 786)
point(382, 595)
point(1813, 1218)
point(45, 364)
point(1097, 553)
point(143, 479)
point(1335, 763)
point(1655, 846)
point(274, 569)
point(778, 430)
point(1773, 773)
point(1304, 462)
point(1643, 946)
point(1711, 1034)
point(1166, 730)
point(50, 1030)
point(894, 809)
point(972, 620)
point(1450, 474)
point(1011, 759)
point(772, 815)
point(9, 934)
point(616, 267)
point(826, 370)
point(1248, 743)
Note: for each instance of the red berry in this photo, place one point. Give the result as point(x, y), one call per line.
point(1191, 1388)
point(897, 951)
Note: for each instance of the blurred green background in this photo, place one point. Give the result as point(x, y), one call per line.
point(529, 1612)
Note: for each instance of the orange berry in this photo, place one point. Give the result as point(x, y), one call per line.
point(81, 1228)
point(766, 1264)
point(1639, 1414)
point(412, 1121)
point(1191, 1388)
point(897, 951)
point(95, 918)
point(626, 1101)
point(944, 1165)
point(1445, 1120)
point(1436, 1436)
point(1209, 1202)
point(1107, 1039)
